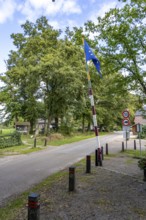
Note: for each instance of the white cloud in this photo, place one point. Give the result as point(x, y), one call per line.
point(33, 9)
point(70, 7)
point(72, 23)
point(102, 9)
point(54, 24)
point(106, 7)
point(7, 9)
point(2, 66)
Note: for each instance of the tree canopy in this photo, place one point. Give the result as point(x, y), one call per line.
point(121, 39)
point(46, 76)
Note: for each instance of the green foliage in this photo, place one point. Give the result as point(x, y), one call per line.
point(142, 163)
point(121, 40)
point(144, 129)
point(142, 134)
point(10, 140)
point(46, 75)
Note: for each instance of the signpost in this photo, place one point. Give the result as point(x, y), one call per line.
point(139, 130)
point(126, 125)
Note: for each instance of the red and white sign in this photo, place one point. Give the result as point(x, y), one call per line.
point(125, 114)
point(126, 122)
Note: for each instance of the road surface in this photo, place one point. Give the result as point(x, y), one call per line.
point(19, 173)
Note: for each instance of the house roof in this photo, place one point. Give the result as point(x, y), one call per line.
point(140, 120)
point(23, 123)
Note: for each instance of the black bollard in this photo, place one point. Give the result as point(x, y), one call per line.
point(88, 164)
point(71, 178)
point(34, 142)
point(144, 174)
point(96, 157)
point(122, 146)
point(99, 156)
point(33, 207)
point(102, 153)
point(134, 144)
point(106, 147)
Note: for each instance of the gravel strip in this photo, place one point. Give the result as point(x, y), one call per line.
point(115, 191)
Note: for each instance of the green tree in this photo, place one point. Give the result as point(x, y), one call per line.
point(23, 64)
point(121, 40)
point(62, 75)
point(46, 69)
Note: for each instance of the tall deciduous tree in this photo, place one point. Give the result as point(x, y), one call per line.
point(121, 39)
point(62, 77)
point(43, 68)
point(23, 68)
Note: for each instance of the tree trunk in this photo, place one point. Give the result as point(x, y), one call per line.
point(48, 127)
point(83, 122)
point(56, 124)
point(89, 124)
point(31, 127)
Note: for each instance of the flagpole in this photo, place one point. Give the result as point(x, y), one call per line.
point(91, 97)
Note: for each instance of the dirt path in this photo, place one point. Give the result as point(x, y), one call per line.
point(115, 191)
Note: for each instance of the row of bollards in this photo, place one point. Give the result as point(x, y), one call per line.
point(123, 148)
point(34, 198)
point(35, 142)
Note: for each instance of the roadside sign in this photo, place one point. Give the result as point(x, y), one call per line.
point(126, 122)
point(139, 128)
point(126, 132)
point(126, 128)
point(125, 114)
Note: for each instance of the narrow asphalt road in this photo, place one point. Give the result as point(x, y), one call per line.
point(19, 173)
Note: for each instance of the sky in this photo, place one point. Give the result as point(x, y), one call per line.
point(61, 14)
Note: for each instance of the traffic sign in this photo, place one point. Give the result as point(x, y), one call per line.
point(125, 114)
point(126, 122)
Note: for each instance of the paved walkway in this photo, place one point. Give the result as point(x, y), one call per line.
point(116, 145)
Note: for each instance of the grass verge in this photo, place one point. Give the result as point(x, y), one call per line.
point(13, 207)
point(28, 143)
point(135, 153)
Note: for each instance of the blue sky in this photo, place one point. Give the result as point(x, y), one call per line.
point(61, 13)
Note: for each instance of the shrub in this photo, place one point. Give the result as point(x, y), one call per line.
point(142, 134)
point(10, 140)
point(142, 163)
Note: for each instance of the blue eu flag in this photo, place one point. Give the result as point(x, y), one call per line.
point(90, 56)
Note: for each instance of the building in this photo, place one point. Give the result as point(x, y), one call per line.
point(22, 127)
point(140, 116)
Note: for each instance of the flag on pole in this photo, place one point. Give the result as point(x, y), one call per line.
point(90, 56)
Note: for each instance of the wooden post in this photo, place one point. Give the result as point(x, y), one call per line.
point(45, 144)
point(35, 142)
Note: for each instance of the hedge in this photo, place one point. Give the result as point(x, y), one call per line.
point(10, 140)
